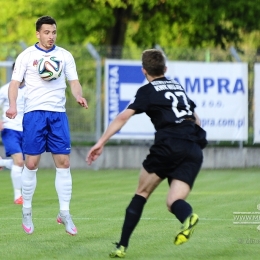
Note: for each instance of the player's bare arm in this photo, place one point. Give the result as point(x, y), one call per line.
point(76, 90)
point(12, 96)
point(114, 126)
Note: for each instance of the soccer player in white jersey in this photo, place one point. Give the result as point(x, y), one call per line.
point(11, 133)
point(45, 123)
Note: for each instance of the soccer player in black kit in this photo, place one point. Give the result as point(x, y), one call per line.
point(176, 154)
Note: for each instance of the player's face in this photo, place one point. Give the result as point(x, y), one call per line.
point(47, 36)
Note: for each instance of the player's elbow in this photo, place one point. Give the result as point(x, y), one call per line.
point(123, 117)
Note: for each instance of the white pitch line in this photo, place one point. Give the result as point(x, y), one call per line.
point(116, 219)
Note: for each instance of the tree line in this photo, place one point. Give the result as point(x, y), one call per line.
point(119, 23)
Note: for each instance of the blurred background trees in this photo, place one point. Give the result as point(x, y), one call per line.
point(119, 23)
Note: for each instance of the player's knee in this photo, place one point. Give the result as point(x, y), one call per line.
point(65, 164)
point(19, 163)
point(62, 161)
point(31, 166)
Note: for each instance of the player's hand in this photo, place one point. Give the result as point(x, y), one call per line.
point(82, 101)
point(11, 113)
point(94, 153)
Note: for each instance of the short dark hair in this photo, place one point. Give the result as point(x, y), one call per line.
point(44, 20)
point(13, 66)
point(153, 62)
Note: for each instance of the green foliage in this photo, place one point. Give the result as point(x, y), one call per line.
point(193, 23)
point(18, 19)
point(82, 21)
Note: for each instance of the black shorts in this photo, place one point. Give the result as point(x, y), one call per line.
point(175, 159)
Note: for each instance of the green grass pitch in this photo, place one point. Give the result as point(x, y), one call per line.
point(98, 205)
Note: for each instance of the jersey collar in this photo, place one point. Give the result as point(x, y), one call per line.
point(37, 47)
point(161, 78)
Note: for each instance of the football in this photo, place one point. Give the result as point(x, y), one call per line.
point(49, 68)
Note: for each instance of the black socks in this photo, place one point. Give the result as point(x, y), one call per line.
point(181, 209)
point(132, 217)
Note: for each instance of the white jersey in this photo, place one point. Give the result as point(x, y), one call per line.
point(41, 94)
point(17, 122)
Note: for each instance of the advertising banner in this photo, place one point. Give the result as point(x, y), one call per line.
point(219, 90)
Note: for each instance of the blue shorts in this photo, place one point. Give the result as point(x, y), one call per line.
point(12, 141)
point(46, 131)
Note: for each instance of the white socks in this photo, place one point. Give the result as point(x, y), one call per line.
point(28, 186)
point(63, 184)
point(6, 163)
point(16, 173)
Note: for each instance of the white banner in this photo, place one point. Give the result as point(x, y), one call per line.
point(220, 91)
point(257, 103)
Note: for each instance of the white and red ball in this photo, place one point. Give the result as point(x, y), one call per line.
point(49, 68)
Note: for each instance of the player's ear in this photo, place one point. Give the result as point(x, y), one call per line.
point(37, 35)
point(165, 69)
point(144, 71)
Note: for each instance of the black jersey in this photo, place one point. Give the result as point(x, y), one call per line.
point(169, 108)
